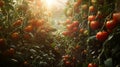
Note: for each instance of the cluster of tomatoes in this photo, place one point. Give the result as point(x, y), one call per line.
point(72, 27)
point(110, 25)
point(92, 65)
point(96, 24)
point(68, 60)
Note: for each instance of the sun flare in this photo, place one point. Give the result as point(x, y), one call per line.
point(50, 3)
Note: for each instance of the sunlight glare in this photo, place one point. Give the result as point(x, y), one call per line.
point(50, 3)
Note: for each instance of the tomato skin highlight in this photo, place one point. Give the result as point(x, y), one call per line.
point(2, 41)
point(102, 36)
point(92, 65)
point(91, 8)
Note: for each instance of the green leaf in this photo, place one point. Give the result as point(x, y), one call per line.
point(108, 62)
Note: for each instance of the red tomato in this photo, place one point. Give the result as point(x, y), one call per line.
point(11, 51)
point(27, 36)
point(25, 63)
point(2, 41)
point(17, 23)
point(68, 21)
point(92, 65)
point(85, 7)
point(79, 2)
point(91, 9)
point(94, 25)
point(28, 28)
point(76, 5)
point(15, 35)
point(116, 16)
point(75, 29)
point(91, 18)
point(77, 46)
point(1, 3)
point(66, 56)
point(81, 30)
point(110, 24)
point(69, 27)
point(102, 36)
point(75, 23)
point(67, 63)
point(66, 33)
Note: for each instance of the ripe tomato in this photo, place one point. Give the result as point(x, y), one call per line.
point(32, 22)
point(2, 41)
point(102, 36)
point(110, 24)
point(85, 7)
point(66, 33)
point(1, 3)
point(25, 63)
point(76, 5)
point(75, 29)
point(29, 28)
point(94, 25)
point(27, 36)
point(77, 46)
point(93, 1)
point(79, 2)
point(17, 23)
point(70, 27)
point(67, 63)
point(68, 21)
point(92, 65)
point(116, 16)
point(82, 30)
point(75, 23)
point(38, 3)
point(91, 8)
point(11, 51)
point(15, 35)
point(91, 18)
